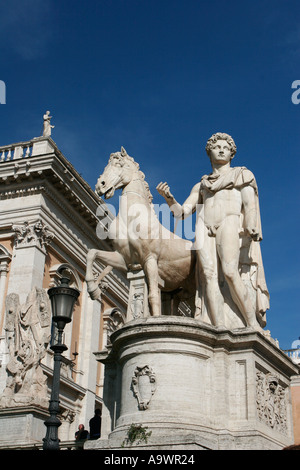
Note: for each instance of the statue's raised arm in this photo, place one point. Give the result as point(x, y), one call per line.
point(179, 211)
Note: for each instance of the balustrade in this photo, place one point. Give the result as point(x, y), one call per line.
point(293, 354)
point(16, 151)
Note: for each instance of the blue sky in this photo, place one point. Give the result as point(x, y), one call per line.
point(159, 77)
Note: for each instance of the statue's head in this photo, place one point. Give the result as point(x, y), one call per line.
point(220, 136)
point(119, 171)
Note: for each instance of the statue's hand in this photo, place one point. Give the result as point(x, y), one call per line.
point(254, 234)
point(164, 190)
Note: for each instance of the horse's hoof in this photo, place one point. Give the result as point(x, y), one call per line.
point(155, 314)
point(95, 294)
point(93, 290)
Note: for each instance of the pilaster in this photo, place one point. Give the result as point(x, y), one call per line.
point(28, 260)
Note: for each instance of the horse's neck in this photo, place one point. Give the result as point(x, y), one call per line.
point(135, 187)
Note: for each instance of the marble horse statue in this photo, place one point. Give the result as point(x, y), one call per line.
point(139, 240)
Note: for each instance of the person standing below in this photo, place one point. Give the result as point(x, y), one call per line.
point(95, 425)
point(227, 236)
point(81, 434)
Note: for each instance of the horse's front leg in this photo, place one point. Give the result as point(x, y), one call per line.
point(113, 259)
point(151, 272)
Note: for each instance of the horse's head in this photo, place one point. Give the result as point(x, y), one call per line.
point(118, 173)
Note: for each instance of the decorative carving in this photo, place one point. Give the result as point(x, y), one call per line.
point(271, 401)
point(58, 271)
point(115, 320)
point(138, 294)
point(143, 385)
point(28, 332)
point(103, 286)
point(36, 233)
point(43, 234)
point(23, 233)
point(137, 306)
point(68, 415)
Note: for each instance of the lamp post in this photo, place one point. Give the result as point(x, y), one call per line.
point(62, 299)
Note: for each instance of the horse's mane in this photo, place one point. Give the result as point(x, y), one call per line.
point(120, 156)
point(146, 185)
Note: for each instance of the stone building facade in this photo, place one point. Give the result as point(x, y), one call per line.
point(48, 221)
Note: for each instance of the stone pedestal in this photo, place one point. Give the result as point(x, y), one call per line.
point(194, 386)
point(22, 426)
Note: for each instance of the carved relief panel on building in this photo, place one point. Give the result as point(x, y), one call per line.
point(271, 401)
point(27, 334)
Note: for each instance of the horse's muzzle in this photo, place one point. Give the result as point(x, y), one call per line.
point(100, 187)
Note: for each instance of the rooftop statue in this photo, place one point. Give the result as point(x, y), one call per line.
point(47, 126)
point(230, 276)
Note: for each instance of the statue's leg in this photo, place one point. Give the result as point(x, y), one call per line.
point(110, 258)
point(228, 248)
point(208, 264)
point(151, 272)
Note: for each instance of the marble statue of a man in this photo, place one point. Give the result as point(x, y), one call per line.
point(47, 126)
point(232, 291)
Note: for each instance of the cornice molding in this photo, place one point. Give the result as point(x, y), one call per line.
point(45, 162)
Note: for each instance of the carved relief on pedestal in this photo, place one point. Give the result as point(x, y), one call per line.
point(138, 295)
point(33, 234)
point(143, 385)
point(271, 401)
point(137, 305)
point(27, 333)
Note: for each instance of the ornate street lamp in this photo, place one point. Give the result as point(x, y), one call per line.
point(62, 299)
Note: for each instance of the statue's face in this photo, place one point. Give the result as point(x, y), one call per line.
point(220, 153)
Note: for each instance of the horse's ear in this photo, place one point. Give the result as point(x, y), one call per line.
point(123, 152)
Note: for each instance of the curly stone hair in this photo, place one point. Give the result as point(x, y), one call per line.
point(221, 136)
